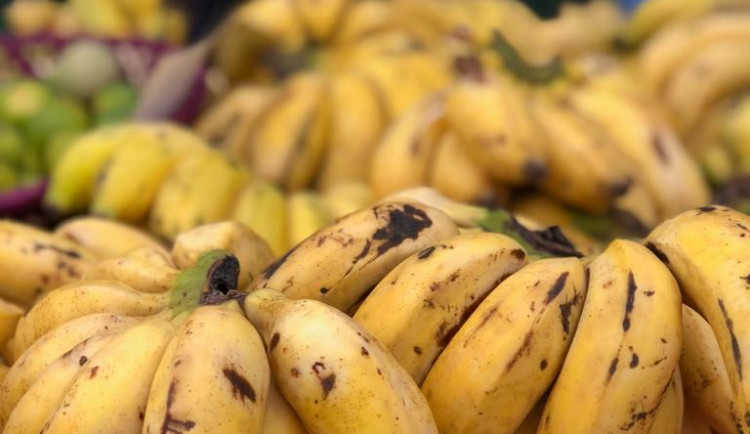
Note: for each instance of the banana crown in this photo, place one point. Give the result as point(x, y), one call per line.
point(216, 271)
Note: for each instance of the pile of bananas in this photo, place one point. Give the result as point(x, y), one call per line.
point(395, 318)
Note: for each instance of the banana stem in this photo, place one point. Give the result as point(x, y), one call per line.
point(514, 62)
point(216, 271)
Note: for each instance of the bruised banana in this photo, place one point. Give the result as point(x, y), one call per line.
point(335, 385)
point(625, 349)
point(342, 262)
point(106, 238)
point(705, 249)
point(509, 351)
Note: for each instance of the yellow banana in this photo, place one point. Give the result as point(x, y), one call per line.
point(346, 382)
point(143, 269)
point(346, 198)
point(320, 18)
point(262, 206)
point(362, 19)
point(705, 250)
point(736, 134)
point(10, 313)
point(669, 416)
point(107, 238)
point(509, 351)
point(651, 16)
point(625, 349)
point(429, 295)
point(306, 214)
point(201, 189)
point(342, 262)
point(280, 417)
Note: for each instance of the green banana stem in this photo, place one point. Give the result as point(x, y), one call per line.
point(216, 271)
point(514, 62)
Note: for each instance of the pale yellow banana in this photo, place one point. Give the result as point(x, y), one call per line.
point(346, 198)
point(143, 269)
point(262, 206)
point(669, 416)
point(306, 214)
point(280, 417)
point(106, 238)
point(10, 314)
point(320, 18)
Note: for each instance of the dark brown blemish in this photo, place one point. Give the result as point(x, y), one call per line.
point(648, 293)
point(612, 368)
point(557, 288)
point(425, 253)
point(93, 372)
point(746, 279)
point(170, 424)
point(241, 388)
point(364, 351)
point(630, 302)
point(294, 372)
point(658, 253)
point(444, 335)
point(565, 310)
point(365, 250)
point(69, 253)
point(634, 360)
point(543, 364)
point(518, 254)
point(534, 171)
point(324, 290)
point(706, 209)
point(417, 350)
point(741, 226)
point(328, 381)
point(82, 361)
point(274, 341)
point(403, 224)
point(523, 349)
point(658, 145)
point(271, 269)
point(736, 353)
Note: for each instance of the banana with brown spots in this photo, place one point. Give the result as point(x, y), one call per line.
point(625, 350)
point(107, 238)
point(418, 307)
point(509, 351)
point(342, 262)
point(670, 415)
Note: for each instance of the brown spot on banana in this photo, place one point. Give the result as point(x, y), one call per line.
point(630, 301)
point(327, 382)
point(706, 209)
point(425, 253)
point(274, 342)
point(523, 349)
point(241, 388)
point(170, 425)
point(518, 254)
point(633, 360)
point(556, 289)
point(612, 368)
point(658, 253)
point(403, 224)
point(93, 372)
point(657, 142)
point(736, 352)
point(271, 269)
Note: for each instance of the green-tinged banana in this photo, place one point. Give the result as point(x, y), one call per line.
point(709, 75)
point(27, 366)
point(33, 261)
point(280, 417)
point(48, 389)
point(669, 416)
point(342, 262)
point(403, 155)
point(499, 137)
point(625, 349)
point(704, 376)
point(80, 299)
point(651, 16)
point(229, 123)
point(320, 18)
point(346, 198)
point(252, 251)
point(201, 188)
point(306, 214)
point(666, 53)
point(509, 351)
point(705, 249)
point(596, 178)
point(143, 269)
point(650, 149)
point(347, 382)
point(106, 238)
point(212, 377)
point(458, 176)
point(124, 367)
point(289, 142)
point(357, 122)
point(10, 313)
point(417, 308)
point(262, 206)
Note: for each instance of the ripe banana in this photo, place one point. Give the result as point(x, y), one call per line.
point(346, 198)
point(651, 16)
point(705, 250)
point(704, 376)
point(280, 417)
point(342, 262)
point(736, 134)
point(306, 214)
point(143, 269)
point(509, 351)
point(262, 206)
point(320, 18)
point(10, 313)
point(347, 382)
point(625, 349)
point(416, 308)
point(363, 18)
point(669, 417)
point(33, 261)
point(106, 238)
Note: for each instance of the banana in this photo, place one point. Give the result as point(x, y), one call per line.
point(289, 142)
point(651, 16)
point(650, 149)
point(346, 382)
point(280, 417)
point(306, 214)
point(103, 394)
point(736, 133)
point(705, 250)
point(499, 137)
point(693, 422)
point(638, 206)
point(429, 295)
point(669, 416)
point(10, 313)
point(346, 198)
point(340, 263)
point(402, 157)
point(357, 121)
point(200, 189)
point(531, 422)
point(596, 178)
point(709, 75)
point(106, 238)
point(233, 380)
point(252, 251)
point(666, 53)
point(80, 299)
point(229, 123)
point(704, 376)
point(143, 269)
point(320, 18)
point(262, 206)
point(33, 261)
point(625, 349)
point(362, 19)
point(509, 351)
point(27, 366)
point(49, 388)
point(455, 174)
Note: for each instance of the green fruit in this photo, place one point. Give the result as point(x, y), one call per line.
point(85, 67)
point(11, 145)
point(8, 177)
point(114, 103)
point(57, 146)
point(23, 99)
point(59, 115)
